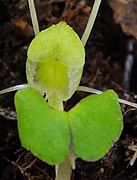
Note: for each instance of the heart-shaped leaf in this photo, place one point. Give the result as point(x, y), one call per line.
point(42, 130)
point(96, 123)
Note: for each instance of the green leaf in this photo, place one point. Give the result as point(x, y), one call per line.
point(60, 42)
point(96, 123)
point(56, 57)
point(42, 130)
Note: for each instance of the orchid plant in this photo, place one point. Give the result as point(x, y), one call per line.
point(54, 66)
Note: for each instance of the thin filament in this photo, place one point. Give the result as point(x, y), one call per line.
point(95, 91)
point(34, 17)
point(88, 89)
point(91, 21)
point(14, 88)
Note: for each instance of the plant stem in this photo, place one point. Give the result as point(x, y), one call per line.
point(14, 88)
point(88, 89)
point(55, 102)
point(95, 91)
point(64, 170)
point(34, 17)
point(91, 21)
point(80, 88)
point(122, 101)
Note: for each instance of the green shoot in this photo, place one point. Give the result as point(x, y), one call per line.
point(91, 21)
point(34, 17)
point(14, 88)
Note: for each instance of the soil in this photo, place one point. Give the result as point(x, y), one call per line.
point(107, 53)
